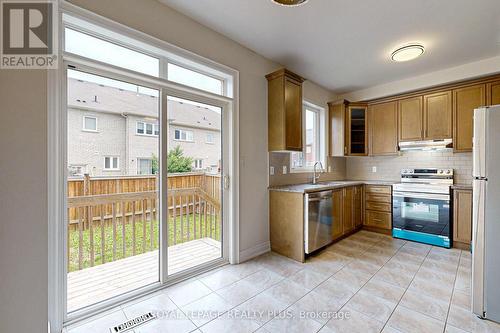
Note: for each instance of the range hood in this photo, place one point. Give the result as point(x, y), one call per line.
point(426, 145)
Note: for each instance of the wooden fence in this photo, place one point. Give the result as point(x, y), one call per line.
point(111, 218)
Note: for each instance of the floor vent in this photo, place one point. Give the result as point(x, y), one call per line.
point(133, 323)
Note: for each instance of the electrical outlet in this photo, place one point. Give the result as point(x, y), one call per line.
point(284, 169)
point(374, 169)
point(271, 171)
point(329, 168)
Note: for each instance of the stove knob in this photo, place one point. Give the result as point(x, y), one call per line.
point(440, 171)
point(448, 171)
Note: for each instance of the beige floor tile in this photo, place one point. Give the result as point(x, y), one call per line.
point(187, 292)
point(364, 266)
point(338, 292)
point(397, 277)
point(461, 299)
point(442, 267)
point(282, 324)
point(206, 309)
point(219, 279)
point(308, 278)
point(468, 321)
point(279, 264)
point(286, 292)
point(436, 277)
point(316, 306)
point(398, 263)
point(388, 329)
point(409, 321)
point(372, 306)
point(238, 292)
point(410, 258)
point(351, 278)
point(384, 290)
point(232, 322)
point(164, 325)
point(452, 329)
point(100, 324)
point(263, 279)
point(424, 286)
point(245, 269)
point(463, 281)
point(262, 308)
point(340, 248)
point(356, 322)
point(431, 306)
point(328, 263)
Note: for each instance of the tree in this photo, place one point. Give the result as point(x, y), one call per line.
point(177, 162)
point(154, 164)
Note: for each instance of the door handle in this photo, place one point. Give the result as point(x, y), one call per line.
point(225, 181)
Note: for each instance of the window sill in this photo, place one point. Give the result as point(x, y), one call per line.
point(90, 131)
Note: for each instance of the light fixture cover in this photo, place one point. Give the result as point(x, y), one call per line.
point(408, 52)
point(290, 2)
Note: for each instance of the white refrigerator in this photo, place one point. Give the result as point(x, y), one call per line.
point(486, 214)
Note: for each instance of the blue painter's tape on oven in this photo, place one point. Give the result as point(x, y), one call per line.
point(422, 238)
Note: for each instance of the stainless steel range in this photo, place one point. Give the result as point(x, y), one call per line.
point(421, 208)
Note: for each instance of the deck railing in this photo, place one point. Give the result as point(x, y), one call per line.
point(114, 218)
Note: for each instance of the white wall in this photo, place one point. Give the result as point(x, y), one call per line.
point(23, 201)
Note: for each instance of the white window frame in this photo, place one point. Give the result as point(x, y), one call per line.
point(181, 131)
point(90, 130)
point(111, 160)
point(198, 163)
point(321, 147)
point(144, 124)
point(87, 21)
point(139, 164)
point(210, 142)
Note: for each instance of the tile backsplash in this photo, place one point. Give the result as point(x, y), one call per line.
point(389, 167)
point(278, 160)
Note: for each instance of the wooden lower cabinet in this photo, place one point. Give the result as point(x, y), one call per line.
point(378, 208)
point(337, 213)
point(462, 219)
point(348, 209)
point(358, 206)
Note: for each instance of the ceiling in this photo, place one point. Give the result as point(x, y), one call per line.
point(345, 45)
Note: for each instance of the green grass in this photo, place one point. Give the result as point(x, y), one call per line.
point(108, 237)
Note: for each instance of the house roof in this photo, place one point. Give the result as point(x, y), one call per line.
point(99, 98)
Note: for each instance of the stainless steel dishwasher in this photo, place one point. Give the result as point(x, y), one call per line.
point(317, 220)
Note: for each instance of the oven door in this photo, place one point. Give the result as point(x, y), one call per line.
point(422, 212)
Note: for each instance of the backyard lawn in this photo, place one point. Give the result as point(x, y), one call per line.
point(201, 227)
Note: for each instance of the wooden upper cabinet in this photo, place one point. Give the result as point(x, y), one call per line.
point(357, 130)
point(411, 119)
point(493, 92)
point(383, 128)
point(337, 213)
point(336, 133)
point(284, 111)
point(465, 100)
point(438, 116)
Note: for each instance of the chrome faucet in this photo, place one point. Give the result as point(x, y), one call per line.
point(316, 175)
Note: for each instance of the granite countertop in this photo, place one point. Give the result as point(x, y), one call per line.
point(329, 185)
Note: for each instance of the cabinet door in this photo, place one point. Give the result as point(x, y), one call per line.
point(348, 209)
point(493, 93)
point(336, 131)
point(358, 206)
point(410, 119)
point(337, 213)
point(462, 216)
point(293, 115)
point(465, 100)
point(383, 129)
point(438, 116)
point(356, 131)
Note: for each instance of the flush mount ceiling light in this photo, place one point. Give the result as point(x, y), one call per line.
point(290, 3)
point(407, 52)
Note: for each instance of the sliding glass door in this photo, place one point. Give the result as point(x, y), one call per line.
point(195, 173)
point(113, 165)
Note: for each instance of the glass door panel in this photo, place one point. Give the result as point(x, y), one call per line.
point(194, 165)
point(113, 154)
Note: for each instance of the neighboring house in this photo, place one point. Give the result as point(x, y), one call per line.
point(114, 132)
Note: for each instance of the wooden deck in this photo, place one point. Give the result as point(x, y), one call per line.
point(95, 284)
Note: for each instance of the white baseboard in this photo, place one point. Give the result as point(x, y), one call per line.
point(255, 251)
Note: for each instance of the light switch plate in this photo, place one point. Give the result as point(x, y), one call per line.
point(284, 169)
point(271, 171)
point(374, 169)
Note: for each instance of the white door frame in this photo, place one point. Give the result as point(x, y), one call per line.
point(57, 171)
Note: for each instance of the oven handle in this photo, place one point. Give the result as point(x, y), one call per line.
point(430, 196)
